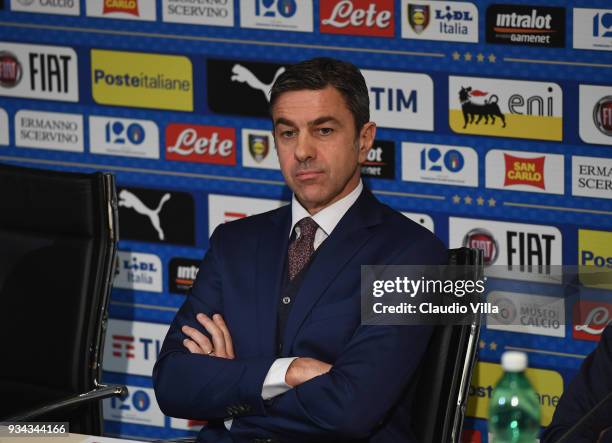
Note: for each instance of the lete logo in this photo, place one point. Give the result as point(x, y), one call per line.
point(201, 144)
point(358, 17)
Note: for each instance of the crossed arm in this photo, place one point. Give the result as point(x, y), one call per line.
point(220, 345)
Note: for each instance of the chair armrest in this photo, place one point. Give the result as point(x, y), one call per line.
point(99, 393)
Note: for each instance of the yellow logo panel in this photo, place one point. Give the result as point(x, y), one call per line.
point(595, 253)
point(547, 384)
point(142, 80)
point(505, 108)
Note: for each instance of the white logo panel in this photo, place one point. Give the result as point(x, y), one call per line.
point(131, 347)
point(49, 130)
point(187, 425)
point(596, 113)
point(140, 407)
point(592, 177)
point(39, 72)
point(281, 15)
point(218, 13)
point(525, 250)
point(4, 127)
point(138, 271)
point(525, 171)
point(448, 21)
point(258, 149)
point(400, 100)
point(439, 164)
point(527, 313)
point(226, 208)
point(593, 29)
point(62, 7)
point(124, 137)
point(122, 9)
point(422, 219)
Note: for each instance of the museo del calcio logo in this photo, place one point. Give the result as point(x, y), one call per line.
point(506, 108)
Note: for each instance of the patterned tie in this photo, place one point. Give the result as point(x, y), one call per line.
point(301, 249)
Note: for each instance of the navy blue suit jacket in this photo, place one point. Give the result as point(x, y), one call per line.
point(365, 397)
point(591, 385)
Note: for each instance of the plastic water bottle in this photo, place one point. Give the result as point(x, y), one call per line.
point(514, 409)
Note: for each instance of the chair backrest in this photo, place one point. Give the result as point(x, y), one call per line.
point(445, 372)
point(58, 243)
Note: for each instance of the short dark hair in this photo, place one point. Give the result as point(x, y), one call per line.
point(321, 72)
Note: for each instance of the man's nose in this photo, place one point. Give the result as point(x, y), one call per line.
point(305, 149)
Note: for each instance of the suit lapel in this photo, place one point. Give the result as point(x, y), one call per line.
point(349, 236)
point(269, 264)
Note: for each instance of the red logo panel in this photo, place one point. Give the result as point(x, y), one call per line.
point(201, 144)
point(524, 171)
point(358, 17)
point(125, 6)
point(590, 319)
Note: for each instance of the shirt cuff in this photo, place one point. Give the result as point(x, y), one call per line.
point(228, 424)
point(274, 383)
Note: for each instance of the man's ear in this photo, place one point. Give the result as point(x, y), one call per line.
point(366, 140)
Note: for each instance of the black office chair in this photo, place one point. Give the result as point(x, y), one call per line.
point(446, 370)
point(58, 243)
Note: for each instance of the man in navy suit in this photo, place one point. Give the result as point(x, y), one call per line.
point(592, 384)
point(269, 346)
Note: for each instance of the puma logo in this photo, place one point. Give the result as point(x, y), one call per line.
point(129, 200)
point(243, 75)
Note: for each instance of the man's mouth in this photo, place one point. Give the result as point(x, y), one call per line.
point(307, 175)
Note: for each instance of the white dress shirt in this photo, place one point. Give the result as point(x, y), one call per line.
point(327, 219)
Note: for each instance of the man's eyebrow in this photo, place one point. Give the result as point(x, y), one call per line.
point(283, 121)
point(324, 119)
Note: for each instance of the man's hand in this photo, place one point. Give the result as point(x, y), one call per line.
point(198, 343)
point(303, 369)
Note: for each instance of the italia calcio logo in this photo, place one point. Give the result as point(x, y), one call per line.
point(506, 108)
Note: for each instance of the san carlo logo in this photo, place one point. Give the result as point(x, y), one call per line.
point(440, 20)
point(525, 171)
point(482, 239)
point(358, 17)
point(122, 9)
point(10, 70)
point(506, 108)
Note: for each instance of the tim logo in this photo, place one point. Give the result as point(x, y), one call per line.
point(275, 8)
point(506, 108)
point(590, 319)
point(156, 216)
point(474, 112)
point(123, 346)
point(125, 6)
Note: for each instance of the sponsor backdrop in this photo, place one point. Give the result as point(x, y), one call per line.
point(495, 131)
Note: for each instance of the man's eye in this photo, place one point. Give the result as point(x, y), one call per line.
point(325, 131)
point(288, 134)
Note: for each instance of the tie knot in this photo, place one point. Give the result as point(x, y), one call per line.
point(308, 227)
